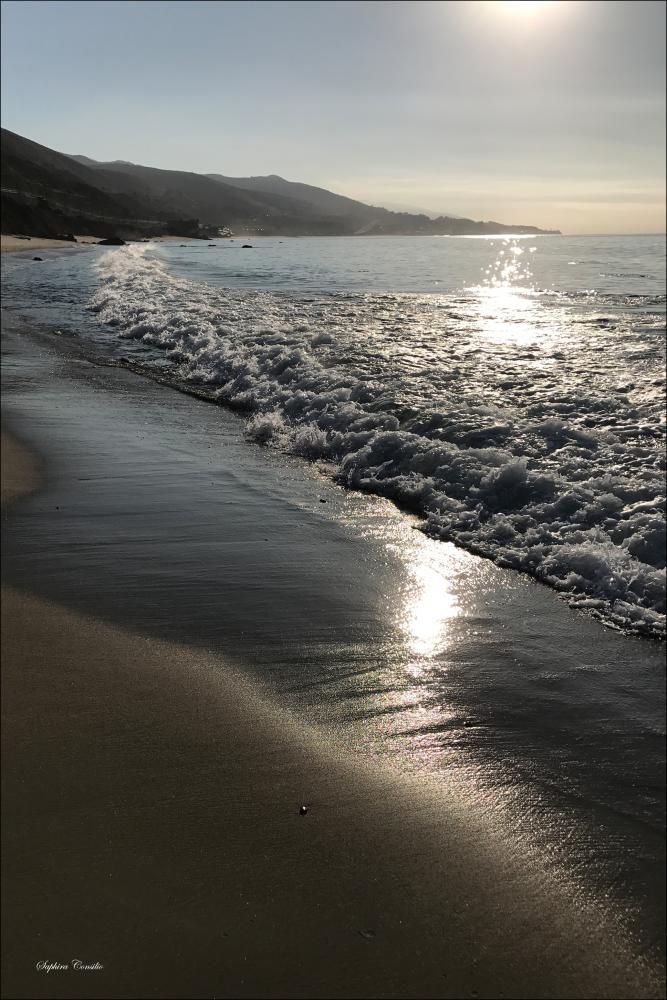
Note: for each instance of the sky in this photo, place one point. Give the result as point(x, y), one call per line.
point(548, 114)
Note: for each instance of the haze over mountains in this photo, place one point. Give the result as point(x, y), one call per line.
point(46, 193)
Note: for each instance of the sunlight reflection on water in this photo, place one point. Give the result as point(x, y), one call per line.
point(508, 300)
point(435, 581)
point(428, 610)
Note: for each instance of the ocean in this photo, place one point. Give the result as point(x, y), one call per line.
point(508, 390)
point(447, 399)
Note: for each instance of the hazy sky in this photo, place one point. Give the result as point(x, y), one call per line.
point(545, 113)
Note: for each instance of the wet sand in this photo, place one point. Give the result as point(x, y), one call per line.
point(153, 793)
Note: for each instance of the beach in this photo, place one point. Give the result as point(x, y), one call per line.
point(333, 501)
point(154, 783)
point(155, 829)
point(9, 242)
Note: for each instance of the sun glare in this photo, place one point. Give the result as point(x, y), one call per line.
point(524, 7)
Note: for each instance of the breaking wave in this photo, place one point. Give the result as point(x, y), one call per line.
point(526, 427)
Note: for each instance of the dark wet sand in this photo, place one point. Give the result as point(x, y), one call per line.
point(152, 825)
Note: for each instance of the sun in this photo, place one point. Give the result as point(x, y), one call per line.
point(522, 16)
point(524, 7)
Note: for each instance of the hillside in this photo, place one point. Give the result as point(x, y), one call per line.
point(319, 198)
point(45, 193)
point(217, 203)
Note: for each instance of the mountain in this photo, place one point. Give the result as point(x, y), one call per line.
point(320, 199)
point(42, 191)
point(47, 193)
point(218, 203)
point(396, 206)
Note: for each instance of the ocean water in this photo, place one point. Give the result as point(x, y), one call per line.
point(508, 390)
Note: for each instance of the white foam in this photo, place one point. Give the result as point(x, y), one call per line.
point(539, 446)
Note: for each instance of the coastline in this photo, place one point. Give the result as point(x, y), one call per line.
point(152, 826)
point(10, 243)
point(154, 791)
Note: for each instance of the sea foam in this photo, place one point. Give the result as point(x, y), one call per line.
point(519, 426)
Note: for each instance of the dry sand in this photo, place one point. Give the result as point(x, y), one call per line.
point(152, 825)
point(41, 242)
point(8, 242)
point(19, 469)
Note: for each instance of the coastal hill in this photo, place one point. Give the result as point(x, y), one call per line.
point(320, 199)
point(47, 193)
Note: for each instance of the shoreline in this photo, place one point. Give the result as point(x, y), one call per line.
point(11, 243)
point(164, 792)
point(154, 798)
point(597, 580)
point(443, 846)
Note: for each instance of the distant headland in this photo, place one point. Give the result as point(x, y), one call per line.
point(46, 193)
